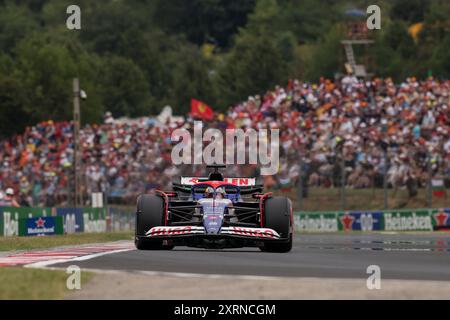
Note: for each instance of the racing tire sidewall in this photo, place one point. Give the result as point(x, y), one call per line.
point(277, 216)
point(149, 214)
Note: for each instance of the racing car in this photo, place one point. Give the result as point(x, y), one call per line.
point(214, 213)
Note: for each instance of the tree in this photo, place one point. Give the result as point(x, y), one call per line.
point(257, 61)
point(192, 78)
point(125, 90)
point(397, 38)
point(11, 100)
point(412, 11)
point(106, 26)
point(308, 20)
point(215, 21)
point(324, 61)
point(46, 64)
point(440, 59)
point(395, 52)
point(254, 66)
point(15, 23)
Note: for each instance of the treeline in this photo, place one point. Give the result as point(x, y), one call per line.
point(134, 57)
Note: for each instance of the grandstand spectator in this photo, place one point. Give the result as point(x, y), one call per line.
point(8, 199)
point(351, 120)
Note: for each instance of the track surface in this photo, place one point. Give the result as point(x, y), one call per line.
point(400, 256)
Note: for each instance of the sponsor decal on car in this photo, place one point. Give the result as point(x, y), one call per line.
point(238, 231)
point(170, 231)
point(256, 232)
point(241, 182)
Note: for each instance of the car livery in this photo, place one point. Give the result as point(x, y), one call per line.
point(214, 212)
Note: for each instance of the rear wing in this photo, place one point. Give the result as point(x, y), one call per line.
point(240, 182)
point(246, 185)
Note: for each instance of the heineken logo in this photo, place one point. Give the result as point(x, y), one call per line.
point(407, 222)
point(40, 228)
point(347, 222)
point(441, 218)
point(318, 222)
point(40, 223)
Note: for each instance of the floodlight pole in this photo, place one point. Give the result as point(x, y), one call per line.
point(78, 201)
point(385, 180)
point(300, 182)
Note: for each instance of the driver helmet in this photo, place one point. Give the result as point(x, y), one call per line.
point(221, 193)
point(209, 192)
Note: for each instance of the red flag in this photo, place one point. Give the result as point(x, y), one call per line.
point(201, 110)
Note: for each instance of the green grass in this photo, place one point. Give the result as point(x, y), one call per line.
point(35, 284)
point(28, 243)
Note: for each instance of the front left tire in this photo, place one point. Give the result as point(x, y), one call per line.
point(277, 216)
point(150, 213)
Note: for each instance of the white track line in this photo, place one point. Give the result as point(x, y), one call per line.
point(174, 274)
point(45, 264)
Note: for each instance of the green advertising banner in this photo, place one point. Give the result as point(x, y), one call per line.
point(2, 229)
point(94, 220)
point(316, 222)
point(414, 220)
point(12, 215)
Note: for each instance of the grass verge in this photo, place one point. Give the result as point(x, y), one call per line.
point(35, 284)
point(28, 243)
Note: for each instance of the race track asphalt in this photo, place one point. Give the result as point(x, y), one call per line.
point(399, 256)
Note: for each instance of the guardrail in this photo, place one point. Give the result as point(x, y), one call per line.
point(389, 220)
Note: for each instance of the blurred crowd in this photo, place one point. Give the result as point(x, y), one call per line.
point(348, 131)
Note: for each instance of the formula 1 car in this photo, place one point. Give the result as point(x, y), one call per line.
point(214, 213)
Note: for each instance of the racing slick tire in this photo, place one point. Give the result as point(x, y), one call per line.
point(149, 214)
point(277, 216)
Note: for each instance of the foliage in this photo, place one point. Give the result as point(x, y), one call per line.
point(135, 57)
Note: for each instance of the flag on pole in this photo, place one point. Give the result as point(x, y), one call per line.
point(201, 110)
point(438, 187)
